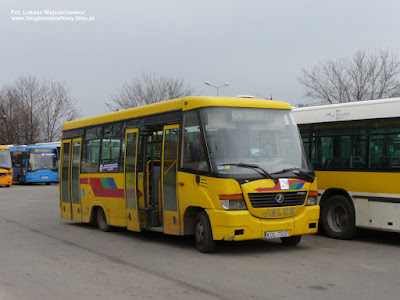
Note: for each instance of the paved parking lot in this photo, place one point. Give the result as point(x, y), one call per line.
point(43, 257)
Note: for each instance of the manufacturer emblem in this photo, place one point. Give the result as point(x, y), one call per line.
point(279, 198)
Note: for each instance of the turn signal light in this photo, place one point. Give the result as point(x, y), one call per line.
point(312, 198)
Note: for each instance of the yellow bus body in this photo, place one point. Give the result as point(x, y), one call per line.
point(194, 192)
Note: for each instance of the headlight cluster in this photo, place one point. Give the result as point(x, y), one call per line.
point(233, 202)
point(312, 198)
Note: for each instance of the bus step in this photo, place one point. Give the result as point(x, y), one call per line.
point(156, 229)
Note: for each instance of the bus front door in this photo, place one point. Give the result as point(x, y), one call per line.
point(169, 168)
point(75, 180)
point(131, 193)
point(66, 207)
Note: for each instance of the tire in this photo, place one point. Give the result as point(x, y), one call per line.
point(203, 233)
point(48, 183)
point(7, 186)
point(102, 221)
point(291, 240)
point(338, 218)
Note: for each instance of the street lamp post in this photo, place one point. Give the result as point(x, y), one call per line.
point(217, 87)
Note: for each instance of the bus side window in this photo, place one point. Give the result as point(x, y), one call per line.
point(193, 153)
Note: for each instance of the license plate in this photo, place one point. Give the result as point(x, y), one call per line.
point(276, 234)
point(45, 177)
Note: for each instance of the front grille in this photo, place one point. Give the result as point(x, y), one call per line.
point(259, 200)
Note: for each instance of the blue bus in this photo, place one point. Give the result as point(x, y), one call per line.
point(35, 164)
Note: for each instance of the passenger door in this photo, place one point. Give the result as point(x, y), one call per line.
point(132, 212)
point(169, 168)
point(75, 180)
point(66, 208)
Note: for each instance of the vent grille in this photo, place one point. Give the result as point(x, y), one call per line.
point(203, 183)
point(259, 200)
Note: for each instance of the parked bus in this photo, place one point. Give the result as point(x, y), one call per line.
point(217, 168)
point(35, 164)
point(6, 171)
point(355, 150)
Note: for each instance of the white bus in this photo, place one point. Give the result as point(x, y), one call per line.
point(355, 151)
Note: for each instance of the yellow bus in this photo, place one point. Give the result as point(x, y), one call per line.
point(355, 150)
point(217, 168)
point(6, 171)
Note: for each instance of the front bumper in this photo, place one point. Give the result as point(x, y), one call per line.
point(241, 225)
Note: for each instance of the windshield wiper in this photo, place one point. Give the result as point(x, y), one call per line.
point(311, 178)
point(258, 169)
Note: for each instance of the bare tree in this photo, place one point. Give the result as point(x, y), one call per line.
point(364, 76)
point(10, 127)
point(149, 88)
point(57, 107)
point(28, 92)
point(34, 110)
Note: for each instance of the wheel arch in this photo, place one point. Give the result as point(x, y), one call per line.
point(336, 192)
point(189, 219)
point(333, 192)
point(93, 213)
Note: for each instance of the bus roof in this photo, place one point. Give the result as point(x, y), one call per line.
point(25, 147)
point(183, 104)
point(362, 110)
point(55, 144)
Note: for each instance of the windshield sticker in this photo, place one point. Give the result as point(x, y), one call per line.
point(284, 183)
point(109, 167)
point(49, 154)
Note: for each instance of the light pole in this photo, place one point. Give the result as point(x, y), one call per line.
point(111, 107)
point(217, 87)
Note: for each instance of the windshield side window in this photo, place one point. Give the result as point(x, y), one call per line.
point(193, 152)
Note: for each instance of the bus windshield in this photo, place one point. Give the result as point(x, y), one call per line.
point(42, 159)
point(5, 159)
point(241, 141)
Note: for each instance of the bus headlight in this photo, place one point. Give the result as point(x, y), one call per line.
point(312, 198)
point(232, 202)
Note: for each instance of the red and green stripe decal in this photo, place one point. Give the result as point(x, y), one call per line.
point(293, 185)
point(104, 187)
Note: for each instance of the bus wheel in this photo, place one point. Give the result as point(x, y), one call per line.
point(291, 240)
point(102, 220)
point(48, 183)
point(338, 218)
point(7, 186)
point(203, 233)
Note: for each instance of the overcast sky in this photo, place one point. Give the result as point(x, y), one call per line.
point(257, 46)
